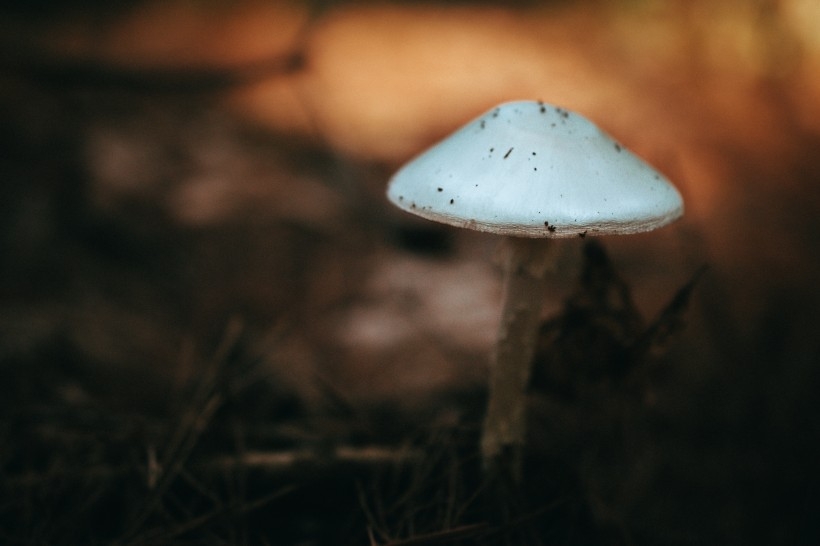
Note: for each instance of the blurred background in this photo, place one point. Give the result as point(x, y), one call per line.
point(215, 329)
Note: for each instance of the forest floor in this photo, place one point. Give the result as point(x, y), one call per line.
point(215, 330)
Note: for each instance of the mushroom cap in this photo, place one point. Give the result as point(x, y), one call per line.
point(530, 169)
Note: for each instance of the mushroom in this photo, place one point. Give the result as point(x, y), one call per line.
point(528, 170)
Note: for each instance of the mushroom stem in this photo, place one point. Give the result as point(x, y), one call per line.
point(503, 435)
